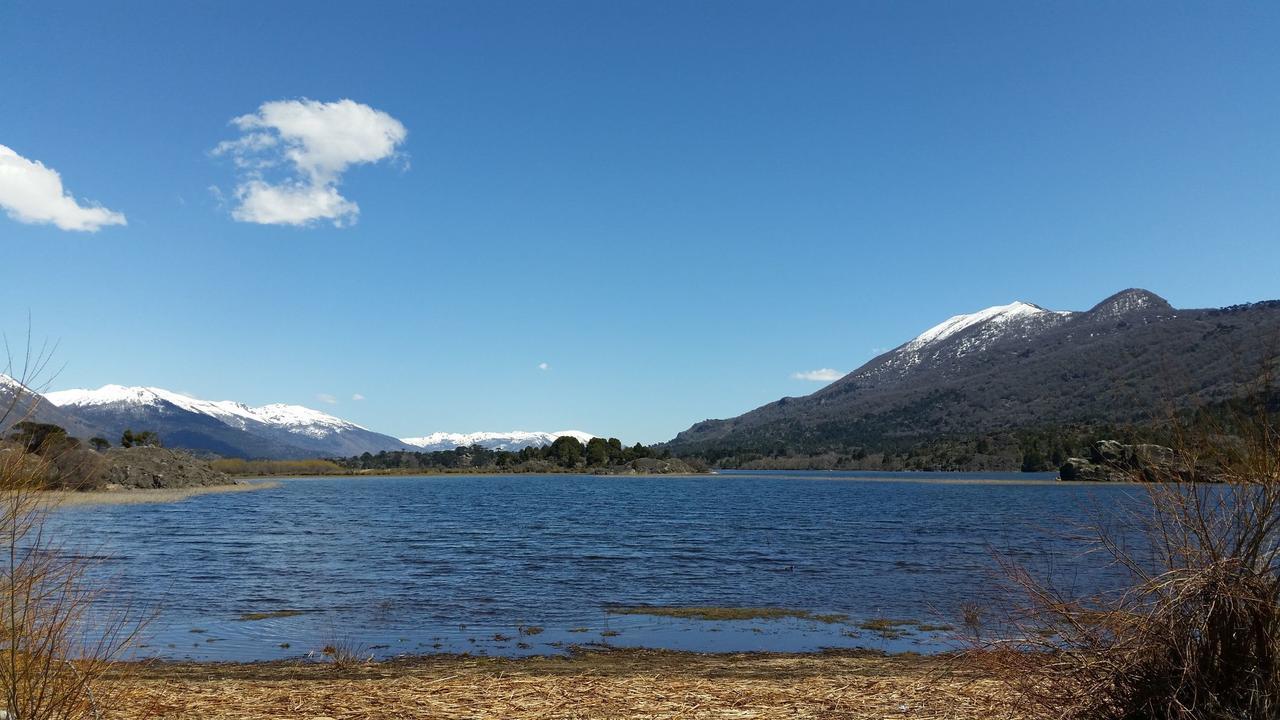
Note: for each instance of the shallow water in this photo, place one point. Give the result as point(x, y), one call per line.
point(460, 563)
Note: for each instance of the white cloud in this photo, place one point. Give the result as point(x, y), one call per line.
point(314, 143)
point(33, 193)
point(327, 398)
point(292, 204)
point(819, 375)
point(357, 397)
point(543, 366)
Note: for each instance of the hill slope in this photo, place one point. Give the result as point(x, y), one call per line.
point(1011, 367)
point(19, 403)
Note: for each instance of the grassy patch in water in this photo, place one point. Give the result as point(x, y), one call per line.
point(250, 616)
point(727, 613)
point(886, 624)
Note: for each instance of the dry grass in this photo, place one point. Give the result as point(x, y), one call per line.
point(615, 684)
point(143, 497)
point(1195, 633)
point(54, 646)
point(253, 468)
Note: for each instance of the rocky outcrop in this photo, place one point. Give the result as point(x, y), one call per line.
point(152, 467)
point(1082, 470)
point(653, 466)
point(1112, 461)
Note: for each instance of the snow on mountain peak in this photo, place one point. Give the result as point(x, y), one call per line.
point(294, 418)
point(513, 440)
point(999, 314)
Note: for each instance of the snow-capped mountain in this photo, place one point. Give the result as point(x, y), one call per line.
point(1012, 366)
point(19, 402)
point(225, 427)
point(514, 440)
point(233, 429)
point(971, 333)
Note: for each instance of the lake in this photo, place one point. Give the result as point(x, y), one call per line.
point(527, 564)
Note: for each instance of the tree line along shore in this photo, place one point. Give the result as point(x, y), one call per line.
point(59, 461)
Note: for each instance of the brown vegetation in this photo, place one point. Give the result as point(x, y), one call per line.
point(1196, 634)
point(54, 651)
point(725, 613)
point(608, 684)
point(257, 468)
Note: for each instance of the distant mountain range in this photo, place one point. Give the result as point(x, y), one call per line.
point(1010, 367)
point(229, 428)
point(1006, 368)
point(514, 440)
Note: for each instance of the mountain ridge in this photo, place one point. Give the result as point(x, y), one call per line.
point(234, 429)
point(1007, 368)
point(223, 427)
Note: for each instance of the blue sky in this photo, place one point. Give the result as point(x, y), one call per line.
point(674, 206)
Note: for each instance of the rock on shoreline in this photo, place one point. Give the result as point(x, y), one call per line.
point(153, 467)
point(1112, 461)
point(652, 466)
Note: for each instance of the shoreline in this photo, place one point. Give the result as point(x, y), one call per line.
point(616, 683)
point(889, 476)
point(72, 498)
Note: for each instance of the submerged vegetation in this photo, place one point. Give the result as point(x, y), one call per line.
point(270, 615)
point(726, 613)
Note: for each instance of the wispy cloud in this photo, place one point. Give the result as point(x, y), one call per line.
point(314, 143)
point(327, 398)
point(32, 193)
point(357, 397)
point(543, 366)
point(819, 375)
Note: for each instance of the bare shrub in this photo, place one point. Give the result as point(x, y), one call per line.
point(56, 647)
point(1195, 633)
point(345, 653)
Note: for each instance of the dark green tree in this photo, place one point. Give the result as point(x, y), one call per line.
point(597, 451)
point(38, 437)
point(566, 450)
point(145, 438)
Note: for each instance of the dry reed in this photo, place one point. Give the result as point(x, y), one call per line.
point(618, 684)
point(1196, 632)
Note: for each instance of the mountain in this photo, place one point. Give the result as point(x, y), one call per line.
point(1013, 367)
point(19, 403)
point(229, 428)
point(224, 427)
point(514, 440)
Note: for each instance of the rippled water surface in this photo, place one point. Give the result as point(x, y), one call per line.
point(461, 563)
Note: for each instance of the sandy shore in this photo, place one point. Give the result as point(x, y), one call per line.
point(164, 495)
point(607, 684)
